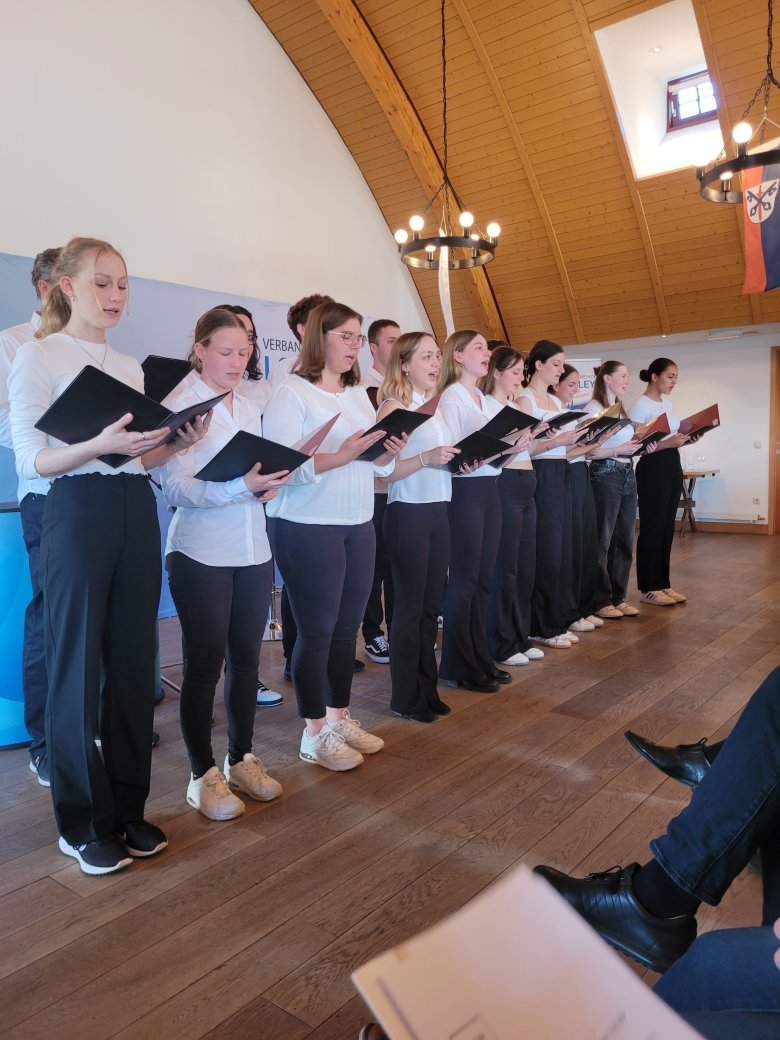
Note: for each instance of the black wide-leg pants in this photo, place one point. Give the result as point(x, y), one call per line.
point(100, 572)
point(509, 606)
point(659, 482)
point(417, 538)
point(551, 595)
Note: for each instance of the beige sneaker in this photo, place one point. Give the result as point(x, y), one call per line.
point(582, 625)
point(626, 609)
point(657, 597)
point(211, 795)
point(249, 776)
point(353, 734)
point(678, 597)
point(597, 622)
point(610, 612)
point(329, 750)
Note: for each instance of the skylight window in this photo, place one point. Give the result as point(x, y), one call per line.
point(690, 100)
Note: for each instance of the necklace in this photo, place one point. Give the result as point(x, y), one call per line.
point(89, 353)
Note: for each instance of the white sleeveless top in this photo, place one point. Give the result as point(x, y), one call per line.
point(495, 407)
point(559, 451)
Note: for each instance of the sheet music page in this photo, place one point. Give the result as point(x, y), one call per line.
point(516, 963)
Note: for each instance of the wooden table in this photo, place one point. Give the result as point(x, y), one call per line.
point(690, 476)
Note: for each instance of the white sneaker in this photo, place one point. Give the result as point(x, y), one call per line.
point(249, 776)
point(515, 659)
point(657, 597)
point(583, 625)
point(571, 637)
point(266, 697)
point(211, 795)
point(352, 733)
point(596, 621)
point(610, 612)
point(328, 749)
point(626, 609)
point(678, 597)
point(557, 642)
point(533, 653)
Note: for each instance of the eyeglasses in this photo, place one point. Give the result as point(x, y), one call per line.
point(350, 338)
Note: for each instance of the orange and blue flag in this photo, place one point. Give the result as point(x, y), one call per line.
point(760, 190)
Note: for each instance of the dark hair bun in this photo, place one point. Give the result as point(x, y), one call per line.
point(644, 375)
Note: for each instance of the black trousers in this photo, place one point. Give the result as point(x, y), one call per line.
point(659, 482)
point(551, 596)
point(34, 681)
point(222, 611)
point(614, 493)
point(289, 631)
point(417, 537)
point(584, 545)
point(327, 570)
point(383, 579)
point(475, 531)
point(509, 606)
point(100, 574)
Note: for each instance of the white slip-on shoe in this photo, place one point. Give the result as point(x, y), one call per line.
point(657, 597)
point(353, 734)
point(626, 609)
point(329, 750)
point(582, 625)
point(211, 795)
point(515, 659)
point(596, 621)
point(249, 776)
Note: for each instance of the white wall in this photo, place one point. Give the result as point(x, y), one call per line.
point(181, 132)
point(735, 374)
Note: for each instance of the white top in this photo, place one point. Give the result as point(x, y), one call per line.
point(280, 370)
point(495, 407)
point(40, 373)
point(10, 342)
point(258, 391)
point(623, 436)
point(220, 524)
point(372, 378)
point(429, 484)
point(464, 416)
point(559, 451)
point(340, 496)
point(646, 409)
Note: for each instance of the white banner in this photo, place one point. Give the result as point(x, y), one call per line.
point(587, 368)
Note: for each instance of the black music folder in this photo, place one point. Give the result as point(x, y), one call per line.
point(395, 424)
point(163, 374)
point(563, 418)
point(243, 451)
point(477, 447)
point(95, 399)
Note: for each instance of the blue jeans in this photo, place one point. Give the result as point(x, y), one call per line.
point(727, 985)
point(734, 811)
point(614, 494)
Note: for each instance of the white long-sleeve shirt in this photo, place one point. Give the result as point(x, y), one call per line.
point(220, 524)
point(41, 371)
point(464, 416)
point(340, 496)
point(10, 342)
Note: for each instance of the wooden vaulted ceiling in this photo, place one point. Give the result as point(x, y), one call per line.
point(587, 252)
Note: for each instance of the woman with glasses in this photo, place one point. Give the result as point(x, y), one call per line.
point(322, 532)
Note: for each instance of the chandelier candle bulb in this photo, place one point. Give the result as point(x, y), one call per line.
point(401, 236)
point(742, 133)
point(416, 223)
point(493, 229)
point(466, 219)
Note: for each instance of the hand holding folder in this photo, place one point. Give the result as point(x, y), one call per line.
point(701, 422)
point(244, 451)
point(650, 432)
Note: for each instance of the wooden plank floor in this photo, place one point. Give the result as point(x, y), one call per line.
point(251, 928)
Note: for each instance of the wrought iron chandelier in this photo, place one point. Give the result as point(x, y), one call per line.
point(460, 247)
point(715, 181)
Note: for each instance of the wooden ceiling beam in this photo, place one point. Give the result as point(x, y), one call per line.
point(350, 26)
point(620, 146)
point(522, 152)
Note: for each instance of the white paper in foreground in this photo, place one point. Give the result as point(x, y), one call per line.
point(516, 963)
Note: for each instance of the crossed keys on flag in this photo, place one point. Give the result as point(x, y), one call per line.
point(761, 198)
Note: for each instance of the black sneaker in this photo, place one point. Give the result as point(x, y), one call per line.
point(378, 650)
point(103, 856)
point(40, 766)
point(141, 838)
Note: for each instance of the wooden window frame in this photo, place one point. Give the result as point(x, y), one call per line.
point(673, 87)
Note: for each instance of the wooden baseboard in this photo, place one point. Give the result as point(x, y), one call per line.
point(716, 527)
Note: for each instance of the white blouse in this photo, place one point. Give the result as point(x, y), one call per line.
point(646, 409)
point(429, 484)
point(220, 524)
point(258, 391)
point(495, 407)
point(41, 371)
point(623, 436)
point(559, 451)
point(463, 416)
point(340, 496)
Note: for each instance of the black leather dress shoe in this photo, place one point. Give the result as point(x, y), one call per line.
point(499, 676)
point(440, 707)
point(482, 684)
point(608, 904)
point(422, 715)
point(686, 762)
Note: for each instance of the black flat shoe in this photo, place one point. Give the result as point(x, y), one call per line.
point(423, 715)
point(499, 676)
point(686, 762)
point(359, 666)
point(482, 684)
point(440, 707)
point(608, 904)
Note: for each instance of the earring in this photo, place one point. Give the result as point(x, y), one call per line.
point(72, 299)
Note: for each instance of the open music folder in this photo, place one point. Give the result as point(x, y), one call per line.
point(244, 450)
point(163, 374)
point(701, 422)
point(516, 963)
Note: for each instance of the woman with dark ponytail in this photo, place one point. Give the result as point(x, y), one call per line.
point(659, 484)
